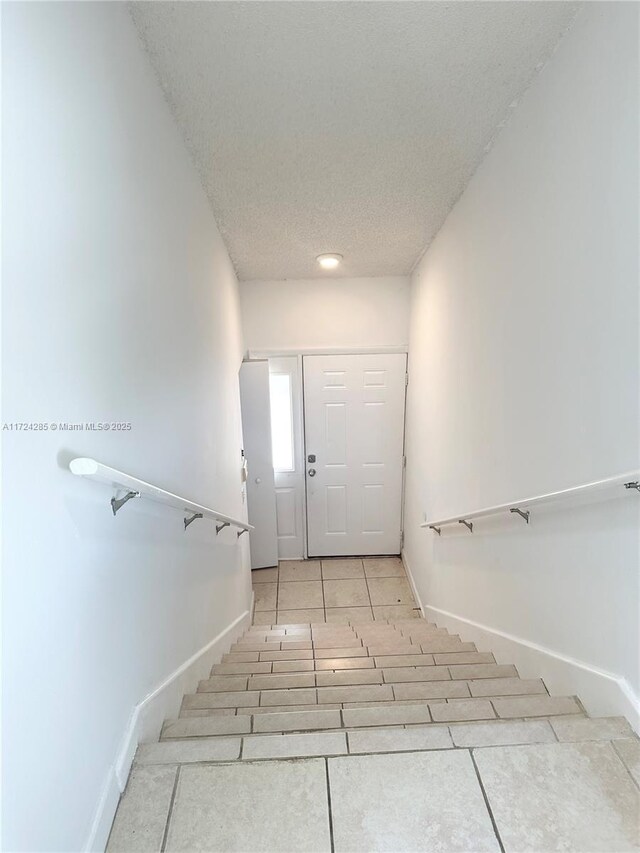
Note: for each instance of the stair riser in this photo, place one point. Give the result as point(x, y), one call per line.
point(375, 646)
point(299, 685)
point(319, 636)
point(437, 711)
point(361, 677)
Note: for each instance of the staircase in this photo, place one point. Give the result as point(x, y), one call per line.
point(322, 690)
point(330, 680)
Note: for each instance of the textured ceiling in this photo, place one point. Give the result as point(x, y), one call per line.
point(347, 127)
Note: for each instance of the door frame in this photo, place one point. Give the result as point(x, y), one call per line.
point(299, 352)
point(276, 352)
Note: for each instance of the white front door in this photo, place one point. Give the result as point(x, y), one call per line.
point(256, 436)
point(354, 440)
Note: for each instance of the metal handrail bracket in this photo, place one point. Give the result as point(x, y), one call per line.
point(135, 488)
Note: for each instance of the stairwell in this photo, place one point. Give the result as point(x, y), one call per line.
point(401, 723)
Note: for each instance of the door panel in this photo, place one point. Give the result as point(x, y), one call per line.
point(286, 512)
point(256, 433)
point(354, 426)
point(373, 509)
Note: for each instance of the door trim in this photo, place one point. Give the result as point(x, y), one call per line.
point(259, 354)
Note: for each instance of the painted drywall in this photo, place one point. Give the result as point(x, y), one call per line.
point(296, 315)
point(119, 305)
point(523, 370)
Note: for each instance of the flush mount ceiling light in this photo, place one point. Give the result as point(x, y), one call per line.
point(329, 261)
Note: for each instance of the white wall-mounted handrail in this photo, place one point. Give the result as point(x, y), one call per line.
point(629, 481)
point(93, 470)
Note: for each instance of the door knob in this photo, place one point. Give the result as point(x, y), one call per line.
point(312, 472)
point(258, 480)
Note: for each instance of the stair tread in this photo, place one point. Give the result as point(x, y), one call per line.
point(333, 739)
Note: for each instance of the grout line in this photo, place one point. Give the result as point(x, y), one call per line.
point(486, 800)
point(330, 816)
point(278, 598)
point(306, 580)
point(612, 743)
point(366, 580)
point(170, 811)
point(324, 601)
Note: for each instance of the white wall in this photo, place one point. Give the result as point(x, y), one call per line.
point(120, 304)
point(524, 376)
point(325, 313)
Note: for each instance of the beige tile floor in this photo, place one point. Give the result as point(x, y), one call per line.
point(576, 797)
point(333, 590)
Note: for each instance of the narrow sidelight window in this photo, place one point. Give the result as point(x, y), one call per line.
point(281, 421)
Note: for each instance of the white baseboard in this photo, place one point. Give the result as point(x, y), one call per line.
point(601, 692)
point(412, 584)
point(147, 718)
